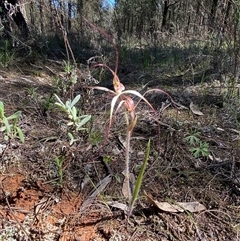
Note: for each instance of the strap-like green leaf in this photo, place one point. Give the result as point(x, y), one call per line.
point(8, 129)
point(20, 134)
point(139, 179)
point(1, 110)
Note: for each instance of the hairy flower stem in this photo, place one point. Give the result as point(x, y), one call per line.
point(130, 126)
point(127, 173)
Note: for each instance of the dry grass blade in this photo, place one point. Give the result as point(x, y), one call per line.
point(119, 205)
point(97, 190)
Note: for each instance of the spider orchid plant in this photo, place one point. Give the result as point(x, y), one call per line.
point(122, 98)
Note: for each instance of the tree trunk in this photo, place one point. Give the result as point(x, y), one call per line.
point(18, 17)
point(229, 4)
point(164, 17)
point(41, 17)
point(32, 11)
point(213, 13)
point(50, 17)
point(69, 15)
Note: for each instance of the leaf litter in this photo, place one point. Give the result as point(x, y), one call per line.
point(199, 185)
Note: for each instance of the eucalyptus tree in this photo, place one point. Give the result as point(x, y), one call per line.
point(13, 10)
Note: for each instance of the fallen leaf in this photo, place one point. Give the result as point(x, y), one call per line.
point(118, 205)
point(195, 109)
point(192, 207)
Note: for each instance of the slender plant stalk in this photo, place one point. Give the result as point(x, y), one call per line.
point(109, 38)
point(127, 164)
point(130, 127)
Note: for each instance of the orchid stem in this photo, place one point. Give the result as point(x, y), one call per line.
point(127, 173)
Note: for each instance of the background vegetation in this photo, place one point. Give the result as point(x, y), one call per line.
point(70, 72)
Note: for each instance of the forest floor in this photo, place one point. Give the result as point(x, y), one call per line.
point(36, 204)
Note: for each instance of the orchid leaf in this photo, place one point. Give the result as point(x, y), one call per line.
point(139, 179)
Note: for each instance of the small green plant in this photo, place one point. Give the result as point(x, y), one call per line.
point(71, 72)
point(96, 137)
point(76, 120)
point(9, 125)
point(201, 150)
point(197, 147)
point(61, 85)
point(48, 103)
point(7, 54)
point(67, 67)
point(193, 138)
point(31, 91)
point(65, 82)
point(59, 163)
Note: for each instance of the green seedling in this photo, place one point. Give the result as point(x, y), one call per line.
point(67, 67)
point(193, 138)
point(201, 150)
point(107, 159)
point(7, 54)
point(48, 103)
point(31, 91)
point(76, 120)
point(96, 137)
point(71, 73)
point(59, 163)
point(197, 147)
point(9, 126)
